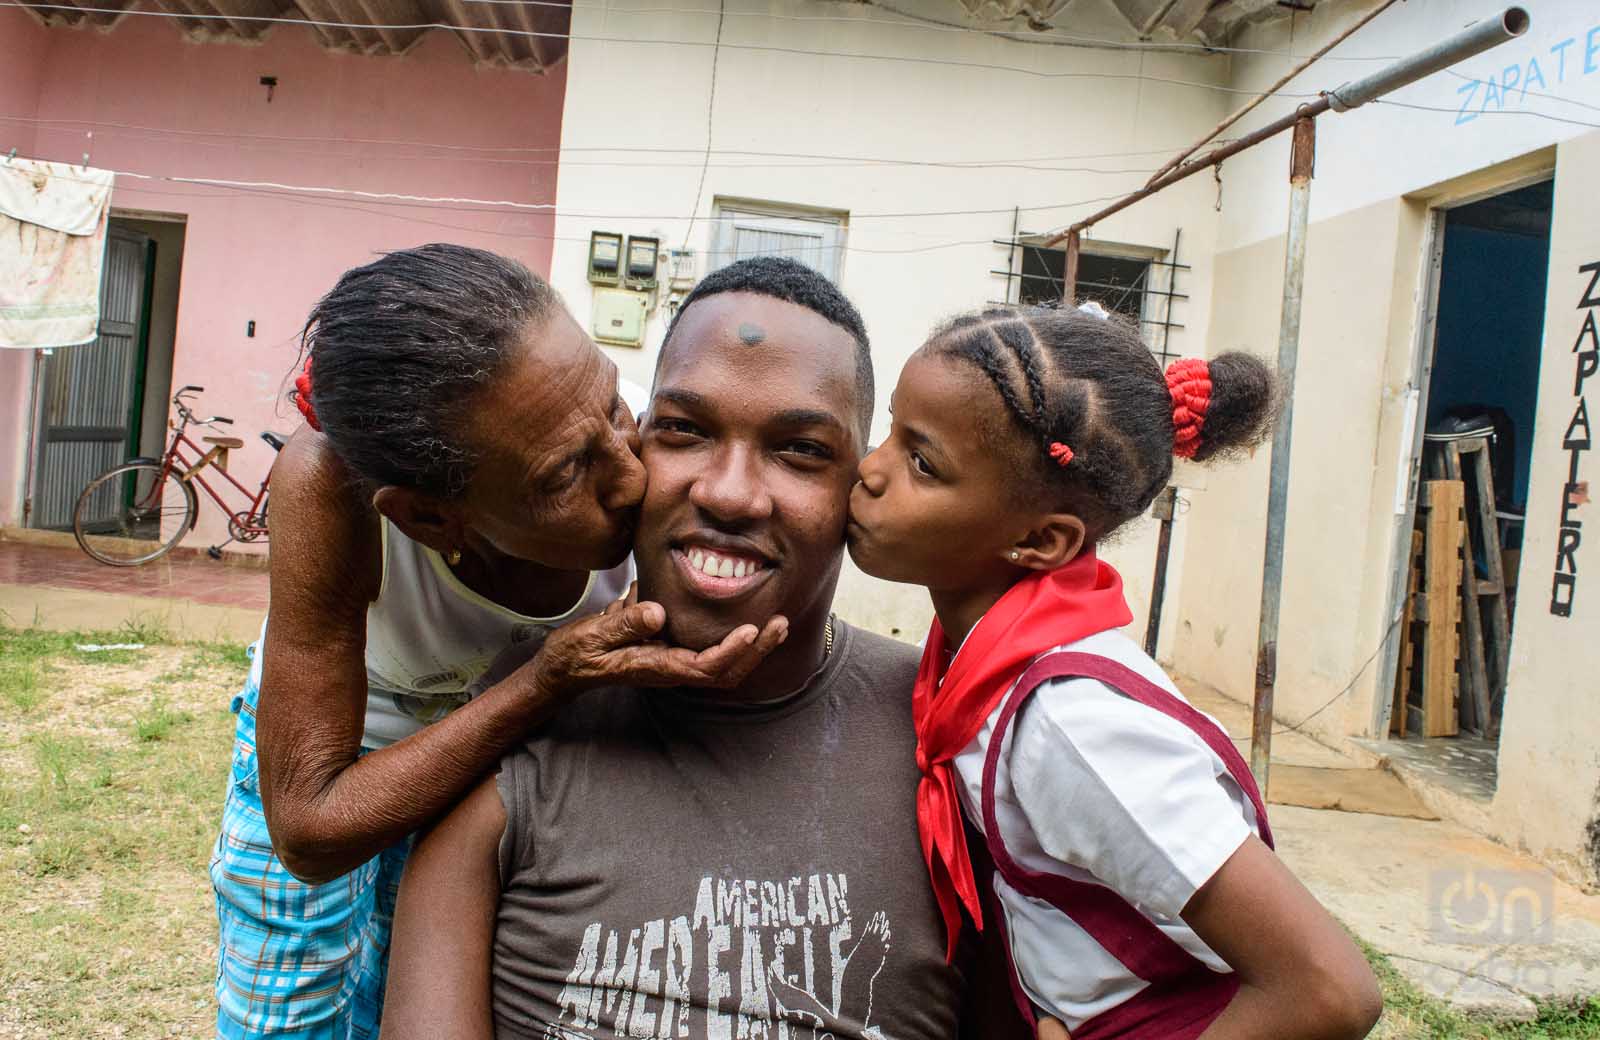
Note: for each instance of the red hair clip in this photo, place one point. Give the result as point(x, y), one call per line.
point(302, 396)
point(1060, 452)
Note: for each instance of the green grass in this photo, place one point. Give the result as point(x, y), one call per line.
point(159, 720)
point(1407, 1012)
point(111, 787)
point(20, 685)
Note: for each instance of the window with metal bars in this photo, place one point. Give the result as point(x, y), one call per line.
point(1117, 283)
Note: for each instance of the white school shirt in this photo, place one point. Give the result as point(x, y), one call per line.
point(1094, 786)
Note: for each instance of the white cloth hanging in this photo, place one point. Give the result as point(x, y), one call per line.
point(53, 219)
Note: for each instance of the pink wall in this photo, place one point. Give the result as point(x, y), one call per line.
point(159, 104)
point(23, 42)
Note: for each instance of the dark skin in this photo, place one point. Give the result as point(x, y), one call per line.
point(946, 477)
point(765, 476)
point(555, 494)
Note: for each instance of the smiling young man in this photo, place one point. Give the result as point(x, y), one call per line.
point(708, 864)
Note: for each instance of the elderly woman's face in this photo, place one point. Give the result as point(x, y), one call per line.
point(558, 479)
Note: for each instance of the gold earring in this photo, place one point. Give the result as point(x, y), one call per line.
point(453, 557)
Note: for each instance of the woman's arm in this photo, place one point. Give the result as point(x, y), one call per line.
point(439, 983)
point(1300, 975)
point(328, 808)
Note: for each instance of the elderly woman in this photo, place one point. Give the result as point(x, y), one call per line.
point(466, 483)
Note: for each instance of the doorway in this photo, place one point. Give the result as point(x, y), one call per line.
point(103, 402)
point(1477, 431)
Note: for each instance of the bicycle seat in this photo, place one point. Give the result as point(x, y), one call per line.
point(224, 442)
point(277, 440)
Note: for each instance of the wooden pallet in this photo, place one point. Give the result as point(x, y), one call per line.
point(1485, 622)
point(1439, 607)
point(1408, 641)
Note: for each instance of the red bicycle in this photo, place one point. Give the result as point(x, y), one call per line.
point(141, 510)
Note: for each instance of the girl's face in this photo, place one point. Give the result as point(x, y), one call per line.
point(935, 504)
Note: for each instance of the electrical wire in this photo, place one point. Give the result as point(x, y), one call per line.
point(1487, 112)
point(1394, 627)
point(535, 34)
point(1524, 91)
point(376, 203)
point(457, 203)
point(632, 164)
point(1026, 162)
point(711, 115)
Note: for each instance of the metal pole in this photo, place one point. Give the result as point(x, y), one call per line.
point(33, 434)
point(1302, 158)
point(1163, 509)
point(1283, 81)
point(1069, 271)
point(1474, 39)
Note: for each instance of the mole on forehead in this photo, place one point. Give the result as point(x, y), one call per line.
point(751, 333)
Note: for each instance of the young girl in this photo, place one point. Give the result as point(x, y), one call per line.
point(1134, 887)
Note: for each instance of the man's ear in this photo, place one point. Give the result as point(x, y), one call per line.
point(422, 518)
point(1055, 540)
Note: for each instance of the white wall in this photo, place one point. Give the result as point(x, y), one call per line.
point(1549, 794)
point(905, 273)
point(1381, 151)
point(1379, 170)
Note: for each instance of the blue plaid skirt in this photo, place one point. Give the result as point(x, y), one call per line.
point(294, 961)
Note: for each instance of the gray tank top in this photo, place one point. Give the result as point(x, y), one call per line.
point(672, 867)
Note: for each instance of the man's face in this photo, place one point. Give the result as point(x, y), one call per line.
point(751, 450)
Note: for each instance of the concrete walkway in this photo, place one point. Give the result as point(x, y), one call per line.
point(45, 584)
point(1468, 921)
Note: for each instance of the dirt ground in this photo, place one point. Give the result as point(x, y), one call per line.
point(112, 771)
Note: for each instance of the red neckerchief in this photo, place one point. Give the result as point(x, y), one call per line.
point(1045, 610)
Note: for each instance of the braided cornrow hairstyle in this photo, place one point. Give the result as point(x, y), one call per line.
point(1087, 381)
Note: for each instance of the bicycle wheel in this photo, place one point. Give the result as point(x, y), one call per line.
point(133, 514)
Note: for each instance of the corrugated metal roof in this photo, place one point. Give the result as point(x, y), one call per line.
point(481, 27)
point(1204, 21)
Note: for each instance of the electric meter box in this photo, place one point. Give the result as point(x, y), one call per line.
point(642, 255)
point(605, 258)
point(619, 317)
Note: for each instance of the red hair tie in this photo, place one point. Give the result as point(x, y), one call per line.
point(1060, 452)
point(1189, 382)
point(302, 396)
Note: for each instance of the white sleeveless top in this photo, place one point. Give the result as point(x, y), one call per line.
point(433, 644)
point(431, 640)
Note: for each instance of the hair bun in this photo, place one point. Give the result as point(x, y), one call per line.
point(1240, 404)
point(302, 396)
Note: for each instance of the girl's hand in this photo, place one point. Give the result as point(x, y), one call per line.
point(616, 648)
point(1050, 1029)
